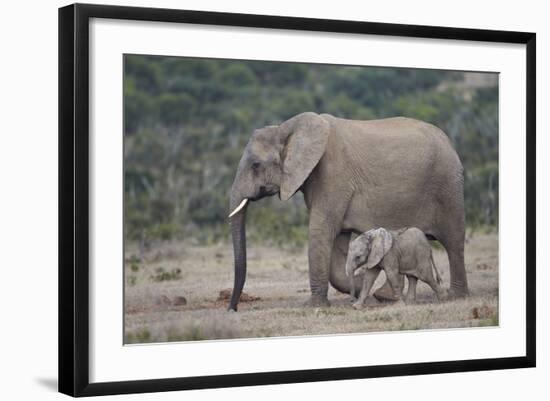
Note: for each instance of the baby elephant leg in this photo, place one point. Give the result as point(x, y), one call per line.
point(368, 280)
point(410, 298)
point(440, 293)
point(396, 281)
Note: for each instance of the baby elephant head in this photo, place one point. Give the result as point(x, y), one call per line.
point(368, 249)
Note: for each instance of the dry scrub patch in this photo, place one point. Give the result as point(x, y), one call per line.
point(179, 292)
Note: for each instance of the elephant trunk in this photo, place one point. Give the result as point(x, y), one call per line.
point(238, 232)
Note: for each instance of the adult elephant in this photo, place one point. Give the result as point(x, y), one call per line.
point(355, 176)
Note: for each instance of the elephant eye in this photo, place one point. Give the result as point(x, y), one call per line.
point(255, 166)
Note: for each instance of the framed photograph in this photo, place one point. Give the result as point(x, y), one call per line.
point(252, 199)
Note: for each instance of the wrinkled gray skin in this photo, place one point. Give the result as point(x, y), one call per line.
point(406, 252)
point(355, 176)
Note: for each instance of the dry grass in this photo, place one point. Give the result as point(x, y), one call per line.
point(174, 295)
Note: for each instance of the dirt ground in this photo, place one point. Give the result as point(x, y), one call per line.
point(178, 292)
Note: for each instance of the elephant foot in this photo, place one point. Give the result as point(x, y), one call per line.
point(385, 294)
point(443, 295)
point(316, 301)
point(457, 293)
point(358, 305)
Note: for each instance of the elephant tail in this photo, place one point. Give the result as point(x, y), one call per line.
point(437, 276)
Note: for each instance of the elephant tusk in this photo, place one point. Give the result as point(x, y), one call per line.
point(238, 208)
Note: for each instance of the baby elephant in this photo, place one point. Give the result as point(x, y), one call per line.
point(404, 252)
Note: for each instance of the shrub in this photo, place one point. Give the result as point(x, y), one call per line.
point(162, 275)
point(139, 336)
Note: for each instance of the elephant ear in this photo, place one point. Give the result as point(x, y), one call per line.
point(305, 139)
point(380, 243)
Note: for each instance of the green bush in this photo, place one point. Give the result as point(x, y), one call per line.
point(162, 275)
point(139, 336)
point(187, 121)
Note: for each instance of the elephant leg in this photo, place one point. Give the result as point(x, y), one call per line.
point(437, 289)
point(338, 278)
point(386, 293)
point(459, 281)
point(453, 242)
point(397, 282)
point(411, 292)
point(321, 240)
point(369, 278)
point(450, 233)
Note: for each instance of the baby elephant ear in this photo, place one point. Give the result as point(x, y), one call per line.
point(380, 243)
point(305, 137)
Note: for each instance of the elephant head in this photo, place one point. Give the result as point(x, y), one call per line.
point(277, 159)
point(367, 249)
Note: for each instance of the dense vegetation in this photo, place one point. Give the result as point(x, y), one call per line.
point(188, 120)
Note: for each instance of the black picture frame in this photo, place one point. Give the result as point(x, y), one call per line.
point(74, 198)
